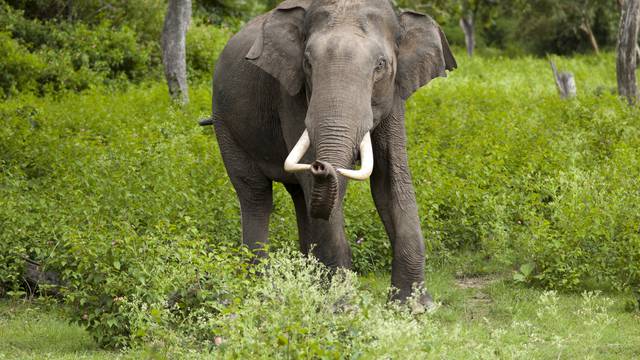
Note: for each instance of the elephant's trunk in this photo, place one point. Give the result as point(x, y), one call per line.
point(325, 179)
point(339, 118)
point(325, 190)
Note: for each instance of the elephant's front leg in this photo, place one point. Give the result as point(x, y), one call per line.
point(395, 200)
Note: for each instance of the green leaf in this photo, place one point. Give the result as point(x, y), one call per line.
point(282, 340)
point(527, 269)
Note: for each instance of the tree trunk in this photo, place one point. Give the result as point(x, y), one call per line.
point(627, 43)
point(174, 32)
point(587, 30)
point(565, 82)
point(466, 23)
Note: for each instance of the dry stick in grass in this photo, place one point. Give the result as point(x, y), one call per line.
point(565, 82)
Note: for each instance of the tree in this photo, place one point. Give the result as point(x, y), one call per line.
point(466, 23)
point(583, 13)
point(626, 62)
point(552, 26)
point(174, 32)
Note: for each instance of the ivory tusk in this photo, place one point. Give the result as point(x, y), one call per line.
point(292, 163)
point(366, 161)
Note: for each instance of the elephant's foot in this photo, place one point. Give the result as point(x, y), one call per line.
point(419, 301)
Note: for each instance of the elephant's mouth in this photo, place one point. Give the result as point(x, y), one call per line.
point(325, 180)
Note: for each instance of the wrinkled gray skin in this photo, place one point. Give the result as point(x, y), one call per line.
point(338, 68)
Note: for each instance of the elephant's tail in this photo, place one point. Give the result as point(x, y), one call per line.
point(206, 122)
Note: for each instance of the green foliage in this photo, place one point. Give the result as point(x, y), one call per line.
point(204, 44)
point(101, 235)
point(312, 315)
point(50, 57)
point(231, 12)
point(527, 27)
point(144, 16)
point(547, 26)
point(521, 176)
point(490, 320)
point(128, 199)
point(18, 68)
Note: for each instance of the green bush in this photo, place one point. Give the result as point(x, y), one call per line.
point(204, 45)
point(18, 68)
point(46, 71)
point(144, 16)
point(98, 234)
point(49, 56)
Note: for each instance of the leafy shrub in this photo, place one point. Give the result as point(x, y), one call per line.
point(204, 45)
point(297, 310)
point(129, 283)
point(45, 71)
point(53, 56)
point(144, 16)
point(103, 49)
point(18, 69)
point(49, 57)
point(87, 240)
point(553, 184)
point(71, 56)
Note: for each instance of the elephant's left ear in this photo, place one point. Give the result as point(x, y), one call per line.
point(423, 53)
point(279, 47)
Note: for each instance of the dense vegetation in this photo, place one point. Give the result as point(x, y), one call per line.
point(49, 56)
point(129, 200)
point(106, 183)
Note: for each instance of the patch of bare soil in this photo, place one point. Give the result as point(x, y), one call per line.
point(476, 282)
point(478, 304)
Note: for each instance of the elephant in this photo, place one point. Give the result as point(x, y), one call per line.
point(303, 92)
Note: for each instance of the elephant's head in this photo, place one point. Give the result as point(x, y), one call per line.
point(352, 59)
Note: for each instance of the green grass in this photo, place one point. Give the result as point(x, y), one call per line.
point(36, 330)
point(483, 316)
point(488, 316)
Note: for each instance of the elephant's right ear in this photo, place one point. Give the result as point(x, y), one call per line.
point(279, 47)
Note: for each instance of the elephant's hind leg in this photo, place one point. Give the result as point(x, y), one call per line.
point(253, 188)
point(300, 203)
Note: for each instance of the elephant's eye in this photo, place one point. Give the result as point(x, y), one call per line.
point(381, 65)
